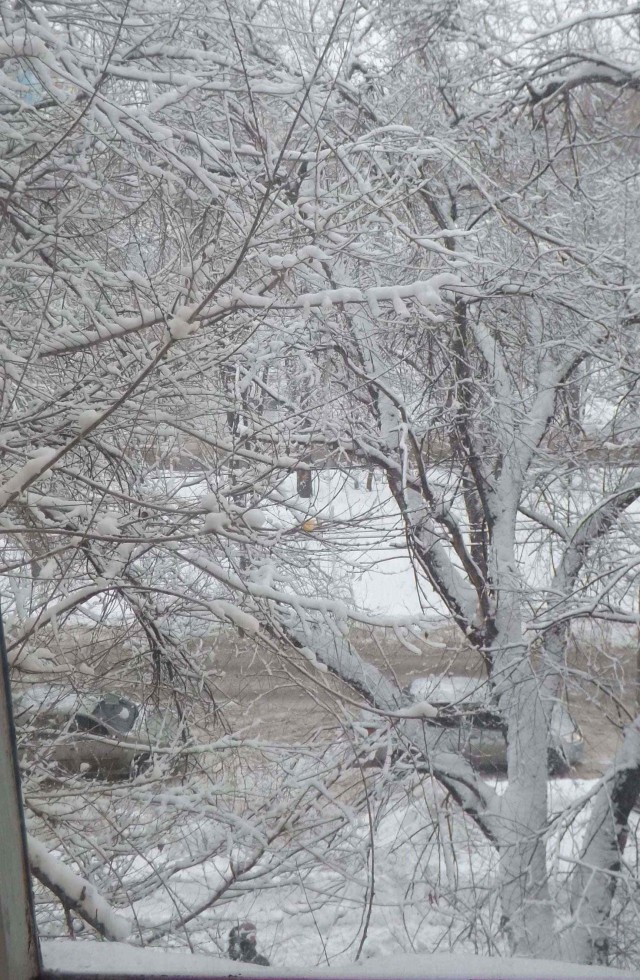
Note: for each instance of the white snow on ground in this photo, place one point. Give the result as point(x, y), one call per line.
point(372, 566)
point(355, 536)
point(433, 891)
point(374, 560)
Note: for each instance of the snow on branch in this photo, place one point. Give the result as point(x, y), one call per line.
point(550, 378)
point(436, 747)
point(51, 612)
point(428, 544)
point(591, 72)
point(35, 467)
point(591, 526)
point(570, 23)
point(75, 892)
point(424, 292)
point(315, 603)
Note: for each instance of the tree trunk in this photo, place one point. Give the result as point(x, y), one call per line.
point(526, 904)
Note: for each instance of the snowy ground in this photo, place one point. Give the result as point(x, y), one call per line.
point(355, 535)
point(426, 886)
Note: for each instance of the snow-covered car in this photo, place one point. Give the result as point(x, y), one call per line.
point(105, 735)
point(466, 704)
point(465, 711)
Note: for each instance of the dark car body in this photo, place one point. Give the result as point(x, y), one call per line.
point(469, 722)
point(107, 735)
point(466, 704)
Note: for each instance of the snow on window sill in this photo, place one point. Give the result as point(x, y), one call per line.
point(72, 960)
point(68, 959)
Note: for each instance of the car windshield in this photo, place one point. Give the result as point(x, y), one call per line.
point(118, 714)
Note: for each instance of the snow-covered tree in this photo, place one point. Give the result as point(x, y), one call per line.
point(241, 241)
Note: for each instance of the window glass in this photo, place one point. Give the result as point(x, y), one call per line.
point(320, 474)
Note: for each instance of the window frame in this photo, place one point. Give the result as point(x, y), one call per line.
point(19, 946)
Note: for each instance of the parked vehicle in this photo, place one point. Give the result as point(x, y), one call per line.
point(467, 704)
point(105, 735)
point(466, 709)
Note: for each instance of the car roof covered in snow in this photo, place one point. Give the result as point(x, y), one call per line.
point(32, 698)
point(450, 690)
